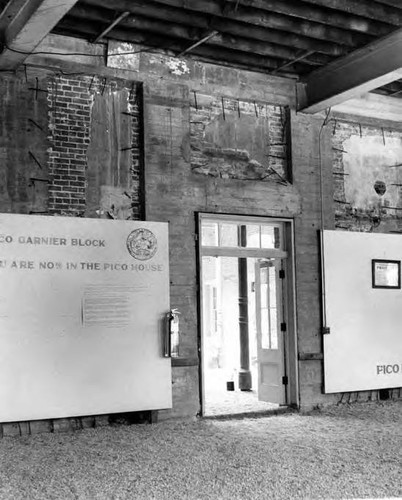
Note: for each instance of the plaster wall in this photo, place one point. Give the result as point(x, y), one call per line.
point(363, 156)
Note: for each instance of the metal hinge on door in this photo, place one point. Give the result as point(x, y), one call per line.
point(283, 327)
point(281, 274)
point(285, 380)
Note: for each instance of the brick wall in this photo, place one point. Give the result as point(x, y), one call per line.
point(69, 135)
point(80, 131)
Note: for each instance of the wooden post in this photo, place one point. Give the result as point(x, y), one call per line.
point(244, 372)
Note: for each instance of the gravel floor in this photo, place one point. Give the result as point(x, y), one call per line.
point(343, 452)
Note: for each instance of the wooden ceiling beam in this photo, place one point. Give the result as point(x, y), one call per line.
point(361, 71)
point(174, 30)
point(264, 19)
point(319, 15)
point(30, 22)
point(368, 9)
point(237, 28)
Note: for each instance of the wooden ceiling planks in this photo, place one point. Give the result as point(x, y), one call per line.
point(250, 16)
point(367, 9)
point(325, 16)
point(261, 35)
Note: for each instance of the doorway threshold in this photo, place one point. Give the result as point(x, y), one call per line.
point(271, 412)
point(220, 403)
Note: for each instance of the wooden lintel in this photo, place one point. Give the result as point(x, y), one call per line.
point(32, 21)
point(361, 71)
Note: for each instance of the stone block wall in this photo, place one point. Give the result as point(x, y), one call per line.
point(24, 169)
point(217, 140)
point(312, 174)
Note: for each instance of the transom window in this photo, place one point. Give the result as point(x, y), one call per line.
point(216, 233)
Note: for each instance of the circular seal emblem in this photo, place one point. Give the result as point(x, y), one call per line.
point(142, 244)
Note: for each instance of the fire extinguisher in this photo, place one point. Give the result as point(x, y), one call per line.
point(171, 347)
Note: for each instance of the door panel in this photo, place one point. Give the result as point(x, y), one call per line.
point(269, 316)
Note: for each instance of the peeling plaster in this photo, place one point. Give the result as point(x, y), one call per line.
point(177, 66)
point(366, 161)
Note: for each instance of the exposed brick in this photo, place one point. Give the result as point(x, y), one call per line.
point(249, 140)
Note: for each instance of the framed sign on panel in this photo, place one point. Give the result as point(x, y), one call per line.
point(82, 303)
point(363, 311)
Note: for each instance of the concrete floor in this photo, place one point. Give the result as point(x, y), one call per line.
point(235, 402)
point(219, 401)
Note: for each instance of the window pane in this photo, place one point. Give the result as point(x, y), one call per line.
point(264, 310)
point(209, 234)
point(228, 235)
point(253, 236)
point(270, 237)
point(273, 310)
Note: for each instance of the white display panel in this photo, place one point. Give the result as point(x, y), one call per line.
point(364, 348)
point(82, 303)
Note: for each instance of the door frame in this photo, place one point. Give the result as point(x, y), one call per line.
point(289, 294)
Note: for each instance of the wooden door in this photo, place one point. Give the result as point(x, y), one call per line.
point(270, 323)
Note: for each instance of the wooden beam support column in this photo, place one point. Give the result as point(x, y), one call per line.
point(357, 73)
point(32, 20)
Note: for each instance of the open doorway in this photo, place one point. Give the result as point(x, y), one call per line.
point(244, 315)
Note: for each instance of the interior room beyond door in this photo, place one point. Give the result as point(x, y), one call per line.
point(243, 316)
